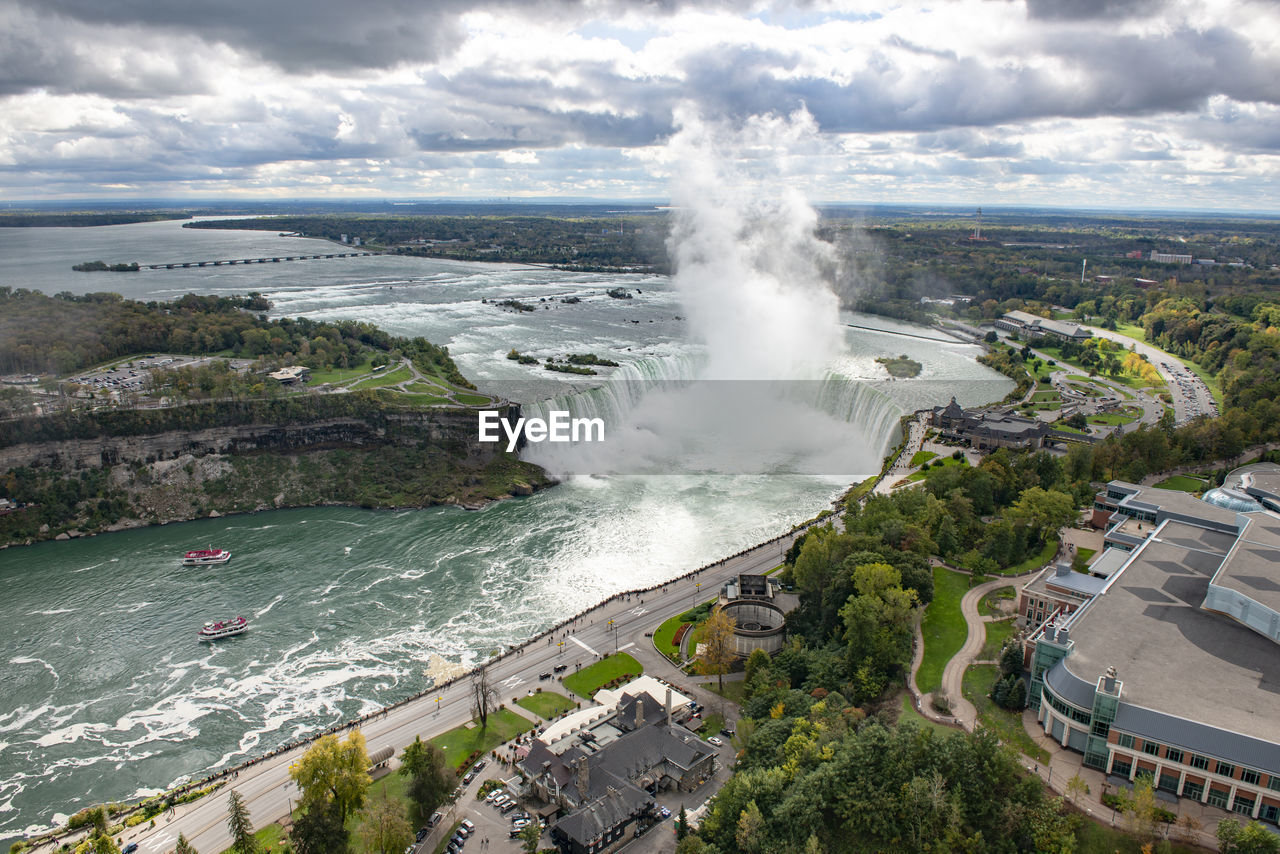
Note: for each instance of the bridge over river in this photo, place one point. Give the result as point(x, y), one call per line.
point(177, 265)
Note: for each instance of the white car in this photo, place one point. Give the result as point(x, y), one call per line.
point(715, 740)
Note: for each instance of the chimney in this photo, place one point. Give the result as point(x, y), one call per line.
point(639, 711)
point(583, 778)
point(1064, 636)
point(668, 708)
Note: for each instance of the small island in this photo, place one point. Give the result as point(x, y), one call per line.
point(901, 367)
point(591, 359)
point(104, 267)
point(516, 356)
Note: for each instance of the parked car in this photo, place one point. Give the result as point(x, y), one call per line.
point(435, 818)
point(492, 796)
point(664, 812)
point(468, 825)
point(421, 834)
point(507, 807)
point(714, 740)
point(479, 766)
point(130, 848)
point(468, 777)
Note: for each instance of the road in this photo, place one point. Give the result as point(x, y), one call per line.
point(1191, 396)
point(270, 794)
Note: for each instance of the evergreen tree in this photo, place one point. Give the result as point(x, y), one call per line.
point(182, 846)
point(238, 823)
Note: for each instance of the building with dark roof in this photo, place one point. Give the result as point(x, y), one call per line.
point(987, 430)
point(604, 774)
point(1172, 668)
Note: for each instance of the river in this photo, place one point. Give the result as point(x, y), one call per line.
point(109, 694)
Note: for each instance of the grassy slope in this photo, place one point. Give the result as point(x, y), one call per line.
point(943, 627)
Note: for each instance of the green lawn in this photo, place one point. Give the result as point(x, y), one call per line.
point(426, 386)
point(1135, 332)
point(1045, 396)
point(997, 633)
point(269, 839)
point(1084, 554)
point(473, 399)
point(732, 692)
point(943, 627)
point(587, 681)
point(665, 633)
point(341, 375)
point(1112, 418)
point(459, 743)
point(546, 704)
point(399, 375)
point(946, 461)
point(987, 607)
point(910, 715)
point(1035, 561)
point(920, 457)
point(1183, 483)
point(1007, 725)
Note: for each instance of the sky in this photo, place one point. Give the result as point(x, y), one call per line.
point(1087, 103)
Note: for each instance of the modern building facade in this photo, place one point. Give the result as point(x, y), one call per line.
point(1171, 669)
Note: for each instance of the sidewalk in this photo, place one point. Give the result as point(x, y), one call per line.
point(1065, 764)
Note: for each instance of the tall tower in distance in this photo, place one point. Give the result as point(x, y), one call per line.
point(977, 229)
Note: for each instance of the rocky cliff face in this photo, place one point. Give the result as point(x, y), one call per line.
point(391, 458)
point(453, 429)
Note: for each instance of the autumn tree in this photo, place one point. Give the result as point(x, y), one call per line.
point(239, 825)
point(384, 828)
point(748, 834)
point(333, 772)
point(718, 647)
point(429, 776)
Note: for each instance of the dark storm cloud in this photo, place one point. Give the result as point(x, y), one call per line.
point(324, 35)
point(1084, 10)
point(1112, 75)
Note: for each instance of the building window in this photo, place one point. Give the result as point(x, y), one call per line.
point(1248, 775)
point(1125, 740)
point(1273, 783)
point(1101, 728)
point(1168, 782)
point(1242, 805)
point(1121, 766)
point(1218, 798)
point(1151, 747)
point(1200, 762)
point(1269, 813)
point(1173, 754)
point(1191, 790)
point(1226, 769)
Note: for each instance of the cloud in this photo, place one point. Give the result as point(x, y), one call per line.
point(906, 96)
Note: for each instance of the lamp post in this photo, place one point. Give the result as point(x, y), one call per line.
point(613, 624)
point(561, 651)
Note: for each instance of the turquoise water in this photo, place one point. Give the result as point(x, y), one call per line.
point(110, 695)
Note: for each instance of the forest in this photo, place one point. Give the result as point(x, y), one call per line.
point(66, 333)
